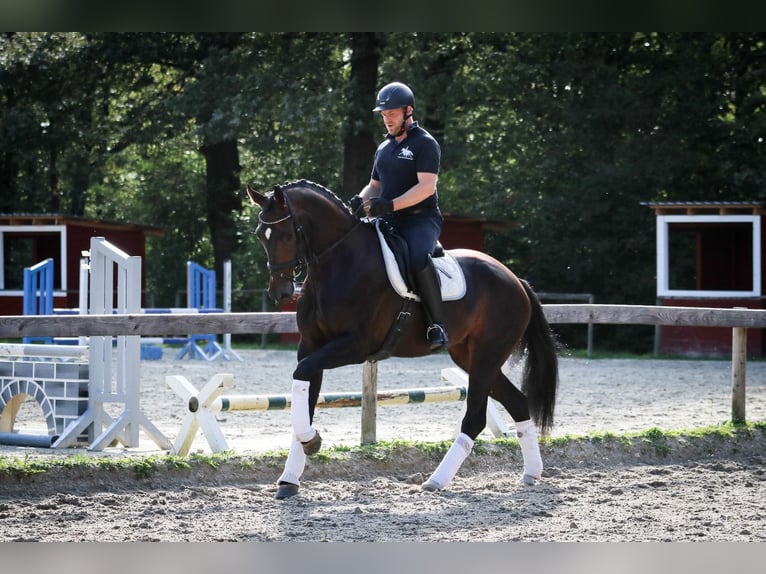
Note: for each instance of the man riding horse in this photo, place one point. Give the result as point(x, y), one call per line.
point(402, 191)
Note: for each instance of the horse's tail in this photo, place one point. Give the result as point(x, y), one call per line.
point(541, 369)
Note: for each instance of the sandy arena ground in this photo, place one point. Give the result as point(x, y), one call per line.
point(588, 492)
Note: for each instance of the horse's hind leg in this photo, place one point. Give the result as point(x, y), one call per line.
point(514, 401)
point(474, 421)
point(450, 464)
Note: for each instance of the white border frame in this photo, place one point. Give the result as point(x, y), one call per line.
point(61, 229)
point(663, 258)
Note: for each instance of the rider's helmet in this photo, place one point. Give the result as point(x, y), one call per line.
point(392, 96)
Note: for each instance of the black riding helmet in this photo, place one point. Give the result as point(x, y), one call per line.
point(395, 95)
point(392, 96)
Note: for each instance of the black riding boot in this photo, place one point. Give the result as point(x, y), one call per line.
point(430, 294)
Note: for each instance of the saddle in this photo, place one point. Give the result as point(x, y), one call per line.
point(398, 270)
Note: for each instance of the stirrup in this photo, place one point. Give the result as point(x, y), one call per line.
point(437, 337)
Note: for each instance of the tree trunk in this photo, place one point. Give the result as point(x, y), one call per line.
point(359, 140)
point(222, 193)
point(9, 166)
point(8, 170)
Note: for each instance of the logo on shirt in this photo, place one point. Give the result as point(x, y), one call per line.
point(406, 153)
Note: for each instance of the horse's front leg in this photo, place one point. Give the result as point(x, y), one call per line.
point(307, 383)
point(301, 417)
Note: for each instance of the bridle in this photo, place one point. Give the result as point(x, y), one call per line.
point(304, 258)
point(296, 264)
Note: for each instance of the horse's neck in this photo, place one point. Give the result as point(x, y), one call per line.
point(329, 228)
point(344, 243)
point(356, 258)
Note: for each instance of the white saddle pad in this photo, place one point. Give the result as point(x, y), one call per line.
point(450, 273)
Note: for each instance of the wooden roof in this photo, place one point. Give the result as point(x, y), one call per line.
point(707, 207)
point(58, 219)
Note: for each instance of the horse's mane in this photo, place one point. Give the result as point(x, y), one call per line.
point(313, 186)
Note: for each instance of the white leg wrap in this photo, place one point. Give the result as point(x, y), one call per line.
point(299, 411)
point(530, 450)
point(450, 464)
point(295, 464)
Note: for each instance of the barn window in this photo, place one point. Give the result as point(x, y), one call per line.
point(708, 255)
point(24, 246)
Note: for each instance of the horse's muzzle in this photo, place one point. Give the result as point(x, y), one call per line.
point(280, 289)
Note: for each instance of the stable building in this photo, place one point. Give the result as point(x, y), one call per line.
point(26, 240)
point(709, 254)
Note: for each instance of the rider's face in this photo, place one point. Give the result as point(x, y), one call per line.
point(393, 120)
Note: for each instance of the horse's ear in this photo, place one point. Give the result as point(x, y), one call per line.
point(279, 195)
point(255, 197)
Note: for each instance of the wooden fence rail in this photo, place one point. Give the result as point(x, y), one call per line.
point(284, 322)
point(739, 320)
point(656, 315)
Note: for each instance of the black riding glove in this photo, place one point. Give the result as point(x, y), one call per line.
point(380, 206)
point(355, 203)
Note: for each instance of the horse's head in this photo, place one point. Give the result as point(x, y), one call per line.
point(300, 224)
point(278, 234)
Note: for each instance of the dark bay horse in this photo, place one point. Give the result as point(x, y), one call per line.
point(347, 308)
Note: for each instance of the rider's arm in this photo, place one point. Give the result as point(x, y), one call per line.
point(372, 189)
point(425, 187)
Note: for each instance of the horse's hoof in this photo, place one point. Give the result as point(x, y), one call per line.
point(286, 490)
point(528, 479)
point(430, 486)
point(312, 445)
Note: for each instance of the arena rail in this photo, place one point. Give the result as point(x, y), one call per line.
point(284, 322)
point(739, 320)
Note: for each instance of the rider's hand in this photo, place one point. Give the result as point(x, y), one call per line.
point(380, 206)
point(355, 203)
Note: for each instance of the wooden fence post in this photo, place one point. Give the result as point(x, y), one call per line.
point(369, 401)
point(738, 372)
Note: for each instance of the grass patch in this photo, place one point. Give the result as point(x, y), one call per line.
point(380, 451)
point(22, 467)
point(658, 439)
point(661, 441)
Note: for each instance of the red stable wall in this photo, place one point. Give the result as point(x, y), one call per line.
point(709, 341)
point(129, 238)
point(130, 241)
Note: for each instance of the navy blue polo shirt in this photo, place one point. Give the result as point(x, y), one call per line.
point(396, 165)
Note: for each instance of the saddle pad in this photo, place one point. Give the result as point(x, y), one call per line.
point(451, 275)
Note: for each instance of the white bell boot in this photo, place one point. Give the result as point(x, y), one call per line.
point(530, 451)
point(450, 464)
point(299, 411)
point(295, 464)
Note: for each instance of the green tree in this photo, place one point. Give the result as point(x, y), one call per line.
point(565, 135)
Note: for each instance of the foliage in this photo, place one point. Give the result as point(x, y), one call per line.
point(562, 134)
